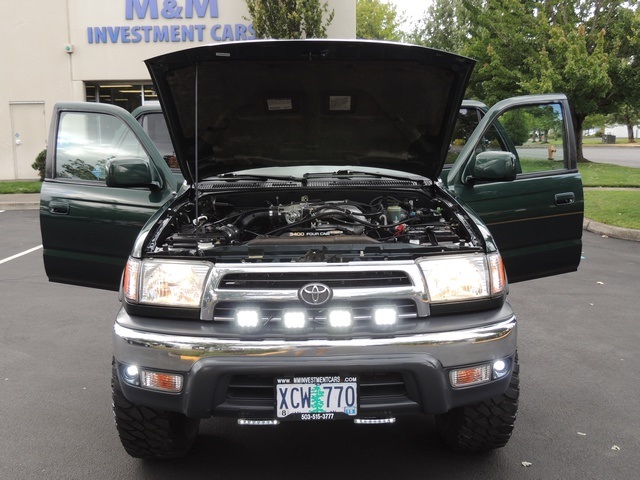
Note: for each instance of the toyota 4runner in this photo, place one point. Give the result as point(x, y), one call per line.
point(314, 263)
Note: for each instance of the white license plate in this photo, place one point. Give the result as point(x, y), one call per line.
point(316, 397)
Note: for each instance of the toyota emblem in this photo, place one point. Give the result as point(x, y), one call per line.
point(315, 294)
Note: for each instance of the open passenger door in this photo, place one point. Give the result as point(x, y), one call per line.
point(518, 172)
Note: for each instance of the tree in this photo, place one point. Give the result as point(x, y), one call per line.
point(378, 20)
point(517, 126)
point(584, 48)
point(596, 122)
point(290, 18)
point(40, 164)
point(444, 26)
point(317, 399)
point(627, 115)
point(624, 40)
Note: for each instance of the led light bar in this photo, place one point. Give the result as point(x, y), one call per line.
point(248, 318)
point(260, 423)
point(374, 421)
point(385, 316)
point(294, 319)
point(340, 318)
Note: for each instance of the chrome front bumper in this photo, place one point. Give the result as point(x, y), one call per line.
point(193, 348)
point(208, 364)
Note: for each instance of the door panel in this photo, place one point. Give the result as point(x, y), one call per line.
point(88, 229)
point(536, 219)
point(28, 132)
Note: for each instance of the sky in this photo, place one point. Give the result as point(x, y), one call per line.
point(413, 9)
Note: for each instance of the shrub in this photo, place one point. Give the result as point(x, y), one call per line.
point(40, 164)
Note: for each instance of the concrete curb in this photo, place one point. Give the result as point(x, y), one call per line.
point(611, 231)
point(32, 202)
point(20, 201)
point(18, 206)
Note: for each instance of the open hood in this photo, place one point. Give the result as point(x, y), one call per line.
point(237, 106)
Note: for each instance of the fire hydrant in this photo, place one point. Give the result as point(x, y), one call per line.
point(551, 150)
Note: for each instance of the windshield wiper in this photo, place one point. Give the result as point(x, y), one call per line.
point(253, 176)
point(345, 174)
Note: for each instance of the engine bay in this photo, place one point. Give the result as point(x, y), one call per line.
point(304, 218)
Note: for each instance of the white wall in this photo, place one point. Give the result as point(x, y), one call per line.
point(107, 46)
point(620, 131)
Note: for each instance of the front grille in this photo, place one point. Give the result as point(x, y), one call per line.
point(373, 387)
point(296, 280)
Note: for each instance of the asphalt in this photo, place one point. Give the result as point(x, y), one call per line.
point(31, 201)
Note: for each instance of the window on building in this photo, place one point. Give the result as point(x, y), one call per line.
point(128, 95)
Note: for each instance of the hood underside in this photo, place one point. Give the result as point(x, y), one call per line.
point(237, 106)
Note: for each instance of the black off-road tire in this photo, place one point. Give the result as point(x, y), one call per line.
point(150, 433)
point(484, 425)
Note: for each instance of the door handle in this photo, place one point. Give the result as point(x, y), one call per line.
point(59, 208)
point(566, 198)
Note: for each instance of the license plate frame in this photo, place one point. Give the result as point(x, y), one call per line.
point(316, 397)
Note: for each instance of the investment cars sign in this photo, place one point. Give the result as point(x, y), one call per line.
point(169, 21)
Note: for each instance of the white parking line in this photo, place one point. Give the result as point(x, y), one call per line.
point(18, 255)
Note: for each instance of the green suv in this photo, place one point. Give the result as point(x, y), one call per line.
point(311, 262)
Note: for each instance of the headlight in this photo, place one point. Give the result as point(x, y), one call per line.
point(161, 282)
point(463, 277)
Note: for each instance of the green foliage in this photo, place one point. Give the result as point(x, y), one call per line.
point(290, 18)
point(444, 27)
point(377, 20)
point(517, 126)
point(40, 163)
point(595, 121)
point(584, 48)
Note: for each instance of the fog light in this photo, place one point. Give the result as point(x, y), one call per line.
point(340, 318)
point(294, 319)
point(130, 374)
point(166, 382)
point(385, 316)
point(248, 318)
point(500, 368)
point(470, 376)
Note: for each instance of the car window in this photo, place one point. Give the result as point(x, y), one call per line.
point(534, 133)
point(156, 127)
point(86, 141)
point(466, 123)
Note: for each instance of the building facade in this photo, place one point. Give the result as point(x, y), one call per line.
point(77, 50)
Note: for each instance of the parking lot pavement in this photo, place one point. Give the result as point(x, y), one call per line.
point(578, 345)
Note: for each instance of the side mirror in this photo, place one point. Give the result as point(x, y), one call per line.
point(131, 173)
point(492, 166)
